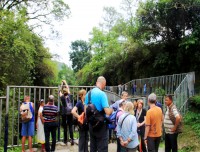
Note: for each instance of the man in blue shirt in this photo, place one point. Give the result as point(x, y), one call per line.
point(99, 138)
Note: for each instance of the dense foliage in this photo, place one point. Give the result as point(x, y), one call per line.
point(24, 59)
point(192, 118)
point(161, 38)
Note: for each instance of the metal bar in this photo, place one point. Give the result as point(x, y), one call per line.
point(0, 117)
point(58, 112)
point(29, 93)
point(40, 94)
point(24, 92)
point(49, 92)
point(44, 94)
point(13, 110)
point(34, 103)
point(18, 116)
point(6, 120)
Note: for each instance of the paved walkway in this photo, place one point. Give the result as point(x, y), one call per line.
point(61, 147)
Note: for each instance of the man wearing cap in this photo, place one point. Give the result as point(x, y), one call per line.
point(153, 125)
point(99, 138)
point(50, 112)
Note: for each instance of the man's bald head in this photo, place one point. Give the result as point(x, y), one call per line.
point(101, 82)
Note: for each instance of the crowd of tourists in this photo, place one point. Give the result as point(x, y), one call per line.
point(135, 128)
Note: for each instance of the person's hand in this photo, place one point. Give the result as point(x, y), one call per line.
point(126, 143)
point(173, 129)
point(122, 143)
point(145, 142)
point(138, 125)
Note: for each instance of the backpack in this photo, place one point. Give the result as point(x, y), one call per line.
point(113, 120)
point(94, 117)
point(173, 119)
point(69, 106)
point(25, 111)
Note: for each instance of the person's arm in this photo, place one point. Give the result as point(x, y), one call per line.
point(60, 93)
point(178, 119)
point(74, 112)
point(41, 117)
point(105, 105)
point(108, 111)
point(141, 124)
point(147, 127)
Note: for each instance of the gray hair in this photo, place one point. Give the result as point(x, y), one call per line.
point(152, 98)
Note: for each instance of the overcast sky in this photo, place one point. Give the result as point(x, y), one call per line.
point(85, 14)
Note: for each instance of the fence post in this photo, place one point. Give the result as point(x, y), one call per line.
point(6, 120)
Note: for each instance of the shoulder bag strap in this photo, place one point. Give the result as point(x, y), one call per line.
point(89, 97)
point(124, 119)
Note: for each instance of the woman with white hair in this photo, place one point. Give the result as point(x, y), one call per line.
point(127, 129)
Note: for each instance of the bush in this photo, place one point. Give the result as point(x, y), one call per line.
point(195, 101)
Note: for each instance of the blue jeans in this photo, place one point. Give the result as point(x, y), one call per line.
point(50, 128)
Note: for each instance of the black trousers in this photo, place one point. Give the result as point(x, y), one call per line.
point(153, 144)
point(141, 132)
point(99, 139)
point(171, 142)
point(83, 141)
point(50, 128)
point(67, 122)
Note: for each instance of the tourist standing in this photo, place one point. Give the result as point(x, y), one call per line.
point(171, 132)
point(153, 125)
point(67, 117)
point(50, 112)
point(40, 126)
point(124, 97)
point(77, 111)
point(99, 138)
point(28, 127)
point(140, 114)
point(119, 113)
point(127, 129)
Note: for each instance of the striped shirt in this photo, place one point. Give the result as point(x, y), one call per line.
point(168, 124)
point(50, 113)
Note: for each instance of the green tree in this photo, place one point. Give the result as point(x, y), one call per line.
point(67, 74)
point(80, 54)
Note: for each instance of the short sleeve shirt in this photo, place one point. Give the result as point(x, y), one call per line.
point(98, 98)
point(154, 121)
point(80, 107)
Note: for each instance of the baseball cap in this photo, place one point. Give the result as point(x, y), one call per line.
point(41, 100)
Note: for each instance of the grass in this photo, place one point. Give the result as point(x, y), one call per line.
point(188, 141)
